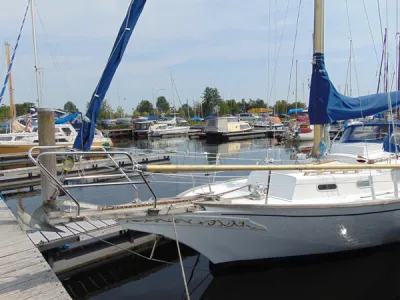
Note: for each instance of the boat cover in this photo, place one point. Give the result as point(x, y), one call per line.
point(327, 105)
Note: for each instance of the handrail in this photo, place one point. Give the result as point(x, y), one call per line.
point(73, 152)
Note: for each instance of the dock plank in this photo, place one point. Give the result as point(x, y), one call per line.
point(98, 223)
point(24, 273)
point(51, 236)
point(86, 225)
point(37, 238)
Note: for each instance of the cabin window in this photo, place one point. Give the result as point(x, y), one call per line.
point(6, 138)
point(327, 187)
point(61, 141)
point(36, 141)
point(231, 120)
point(18, 138)
point(67, 131)
point(362, 184)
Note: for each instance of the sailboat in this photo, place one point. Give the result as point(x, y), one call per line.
point(273, 214)
point(326, 206)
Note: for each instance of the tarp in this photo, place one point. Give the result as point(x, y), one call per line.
point(295, 111)
point(197, 118)
point(67, 118)
point(211, 117)
point(327, 105)
point(151, 118)
point(85, 137)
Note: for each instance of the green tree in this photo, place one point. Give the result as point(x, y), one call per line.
point(234, 107)
point(144, 106)
point(188, 110)
point(119, 113)
point(298, 105)
point(23, 109)
point(70, 107)
point(224, 108)
point(281, 107)
point(4, 113)
point(135, 114)
point(145, 114)
point(211, 100)
point(106, 110)
point(181, 112)
point(162, 104)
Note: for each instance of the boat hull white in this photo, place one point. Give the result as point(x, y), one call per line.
point(243, 234)
point(174, 130)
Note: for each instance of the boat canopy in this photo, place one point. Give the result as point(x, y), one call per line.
point(327, 105)
point(295, 111)
point(67, 118)
point(85, 137)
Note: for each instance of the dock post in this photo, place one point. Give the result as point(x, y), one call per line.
point(47, 138)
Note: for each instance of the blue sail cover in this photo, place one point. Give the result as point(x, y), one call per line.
point(327, 105)
point(85, 137)
point(67, 118)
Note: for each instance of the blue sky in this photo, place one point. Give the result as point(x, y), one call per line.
point(219, 43)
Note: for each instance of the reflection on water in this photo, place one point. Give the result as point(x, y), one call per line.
point(366, 274)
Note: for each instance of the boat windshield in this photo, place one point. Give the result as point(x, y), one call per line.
point(371, 133)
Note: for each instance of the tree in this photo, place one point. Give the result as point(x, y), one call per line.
point(211, 100)
point(162, 104)
point(224, 108)
point(120, 112)
point(135, 114)
point(234, 107)
point(70, 107)
point(181, 112)
point(144, 106)
point(4, 113)
point(23, 109)
point(106, 111)
point(188, 110)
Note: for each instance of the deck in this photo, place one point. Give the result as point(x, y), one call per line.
point(24, 273)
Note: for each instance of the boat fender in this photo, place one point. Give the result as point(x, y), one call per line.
point(68, 164)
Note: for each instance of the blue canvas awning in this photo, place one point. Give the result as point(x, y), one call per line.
point(327, 105)
point(295, 111)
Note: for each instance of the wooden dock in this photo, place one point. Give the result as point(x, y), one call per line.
point(236, 136)
point(30, 176)
point(24, 272)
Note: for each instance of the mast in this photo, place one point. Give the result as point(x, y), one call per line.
point(295, 92)
point(35, 53)
point(173, 98)
point(318, 48)
point(10, 87)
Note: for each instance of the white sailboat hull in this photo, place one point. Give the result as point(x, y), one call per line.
point(172, 130)
point(243, 234)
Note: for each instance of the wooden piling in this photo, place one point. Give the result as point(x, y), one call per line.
point(47, 138)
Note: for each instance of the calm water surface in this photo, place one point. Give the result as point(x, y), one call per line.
point(370, 274)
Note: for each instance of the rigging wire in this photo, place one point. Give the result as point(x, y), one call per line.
point(380, 20)
point(53, 57)
point(370, 32)
point(352, 55)
point(280, 44)
point(293, 50)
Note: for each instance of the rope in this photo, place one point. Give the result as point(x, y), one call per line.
point(131, 251)
point(294, 49)
point(14, 52)
point(180, 259)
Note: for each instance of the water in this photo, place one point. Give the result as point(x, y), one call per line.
point(367, 274)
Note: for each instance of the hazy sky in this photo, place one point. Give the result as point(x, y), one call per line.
point(233, 45)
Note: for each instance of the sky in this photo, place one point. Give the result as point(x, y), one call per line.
point(246, 49)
